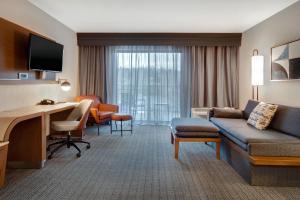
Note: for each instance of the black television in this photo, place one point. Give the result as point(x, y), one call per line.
point(45, 55)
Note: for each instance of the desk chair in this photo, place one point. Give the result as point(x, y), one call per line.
point(76, 121)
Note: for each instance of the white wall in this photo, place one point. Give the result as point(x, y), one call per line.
point(27, 15)
point(278, 29)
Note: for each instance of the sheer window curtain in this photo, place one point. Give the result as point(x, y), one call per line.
point(150, 82)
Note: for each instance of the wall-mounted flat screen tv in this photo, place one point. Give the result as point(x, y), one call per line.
point(45, 55)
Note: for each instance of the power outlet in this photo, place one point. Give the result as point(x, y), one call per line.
point(23, 76)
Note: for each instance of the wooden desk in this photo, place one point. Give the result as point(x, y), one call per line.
point(23, 135)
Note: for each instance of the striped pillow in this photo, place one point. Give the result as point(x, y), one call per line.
point(262, 115)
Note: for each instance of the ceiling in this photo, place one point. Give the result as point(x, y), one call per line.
point(180, 16)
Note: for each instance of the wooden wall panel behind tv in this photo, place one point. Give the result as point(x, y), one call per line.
point(14, 51)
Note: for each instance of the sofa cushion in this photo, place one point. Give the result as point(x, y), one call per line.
point(227, 113)
point(262, 115)
point(241, 131)
point(287, 120)
point(291, 148)
point(193, 125)
point(234, 139)
point(251, 104)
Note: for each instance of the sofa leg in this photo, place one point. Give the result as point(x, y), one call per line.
point(218, 146)
point(176, 149)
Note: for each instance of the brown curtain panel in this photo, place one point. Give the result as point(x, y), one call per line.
point(92, 71)
point(214, 76)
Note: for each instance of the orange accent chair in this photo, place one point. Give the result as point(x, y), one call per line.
point(100, 113)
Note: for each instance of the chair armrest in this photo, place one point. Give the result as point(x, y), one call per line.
point(109, 107)
point(94, 113)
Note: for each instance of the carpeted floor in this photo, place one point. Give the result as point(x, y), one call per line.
point(138, 166)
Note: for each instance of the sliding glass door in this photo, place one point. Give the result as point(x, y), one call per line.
point(146, 81)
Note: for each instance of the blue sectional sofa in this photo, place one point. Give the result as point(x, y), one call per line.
point(268, 157)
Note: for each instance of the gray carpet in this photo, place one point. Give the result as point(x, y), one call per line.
point(138, 166)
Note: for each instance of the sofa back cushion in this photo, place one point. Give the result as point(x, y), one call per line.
point(249, 108)
point(287, 120)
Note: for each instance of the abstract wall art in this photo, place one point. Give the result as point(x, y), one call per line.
point(286, 61)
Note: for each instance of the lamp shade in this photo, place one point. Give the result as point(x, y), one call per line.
point(65, 86)
point(257, 69)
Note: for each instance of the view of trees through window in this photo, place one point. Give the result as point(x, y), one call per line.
point(149, 85)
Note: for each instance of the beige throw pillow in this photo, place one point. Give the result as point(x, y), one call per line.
point(262, 115)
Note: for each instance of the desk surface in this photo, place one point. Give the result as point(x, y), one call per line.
point(24, 111)
point(11, 117)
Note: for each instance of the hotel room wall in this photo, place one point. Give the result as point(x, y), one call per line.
point(29, 16)
point(281, 28)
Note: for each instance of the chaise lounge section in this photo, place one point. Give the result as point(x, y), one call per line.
point(194, 130)
point(268, 157)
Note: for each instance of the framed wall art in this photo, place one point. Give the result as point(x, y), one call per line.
point(285, 61)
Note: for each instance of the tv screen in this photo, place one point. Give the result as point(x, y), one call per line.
point(45, 55)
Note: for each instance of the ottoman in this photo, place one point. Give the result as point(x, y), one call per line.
point(194, 130)
point(119, 117)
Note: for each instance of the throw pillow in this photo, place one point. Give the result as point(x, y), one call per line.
point(262, 115)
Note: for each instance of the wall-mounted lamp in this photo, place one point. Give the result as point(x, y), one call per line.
point(65, 85)
point(257, 72)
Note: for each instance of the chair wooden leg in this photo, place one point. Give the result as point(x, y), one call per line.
point(98, 126)
point(176, 149)
point(172, 139)
point(218, 146)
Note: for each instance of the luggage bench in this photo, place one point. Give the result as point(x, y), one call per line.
point(194, 130)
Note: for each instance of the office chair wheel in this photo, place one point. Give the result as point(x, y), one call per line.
point(78, 155)
point(88, 146)
point(50, 157)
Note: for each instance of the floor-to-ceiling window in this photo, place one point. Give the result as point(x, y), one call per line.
point(146, 81)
